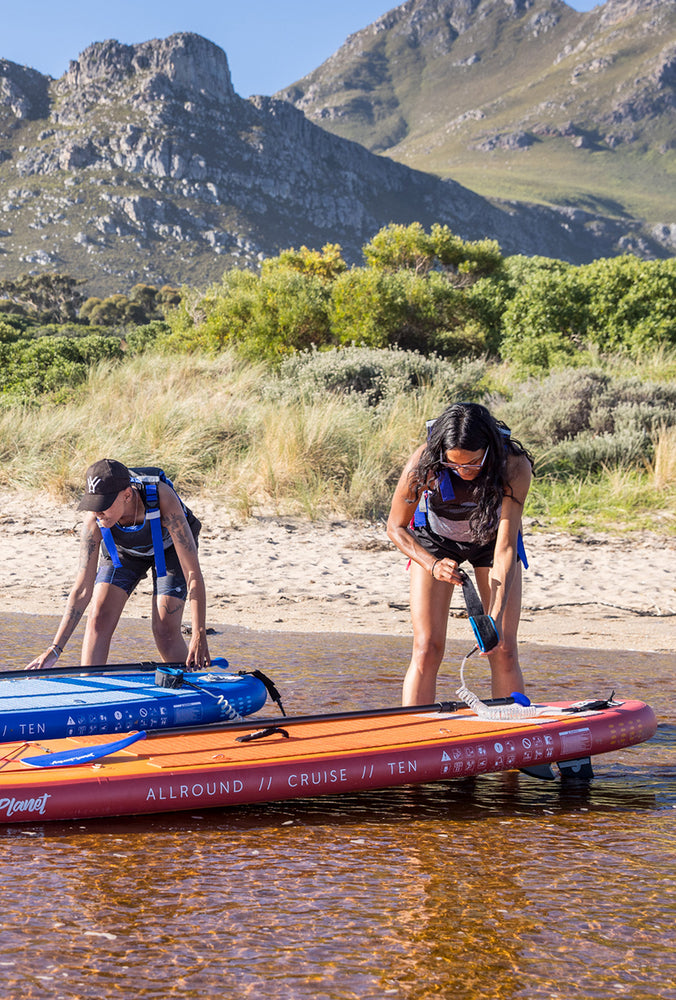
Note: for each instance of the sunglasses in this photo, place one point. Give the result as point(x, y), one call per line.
point(460, 467)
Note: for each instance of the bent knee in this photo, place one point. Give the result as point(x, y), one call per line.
point(428, 652)
point(102, 620)
point(167, 631)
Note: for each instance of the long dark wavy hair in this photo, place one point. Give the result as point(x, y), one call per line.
point(470, 427)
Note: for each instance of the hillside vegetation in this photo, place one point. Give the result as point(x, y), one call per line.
point(527, 101)
point(305, 387)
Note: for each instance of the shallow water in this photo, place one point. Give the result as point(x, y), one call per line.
point(497, 887)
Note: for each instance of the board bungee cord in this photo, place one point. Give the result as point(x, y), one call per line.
point(173, 677)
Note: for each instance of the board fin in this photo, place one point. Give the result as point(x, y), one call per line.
point(543, 771)
point(576, 770)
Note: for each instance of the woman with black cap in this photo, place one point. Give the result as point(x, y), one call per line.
point(460, 498)
point(143, 525)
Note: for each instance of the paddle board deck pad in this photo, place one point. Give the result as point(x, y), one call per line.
point(33, 707)
point(168, 772)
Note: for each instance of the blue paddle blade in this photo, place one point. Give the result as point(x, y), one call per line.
point(82, 755)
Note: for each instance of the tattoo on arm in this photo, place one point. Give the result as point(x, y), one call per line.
point(180, 531)
point(88, 547)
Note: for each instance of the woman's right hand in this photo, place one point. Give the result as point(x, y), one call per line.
point(447, 570)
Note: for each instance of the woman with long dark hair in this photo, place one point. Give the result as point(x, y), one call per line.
point(460, 498)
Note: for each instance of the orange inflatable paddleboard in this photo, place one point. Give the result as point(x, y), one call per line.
point(263, 760)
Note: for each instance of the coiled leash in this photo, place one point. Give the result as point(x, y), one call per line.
point(487, 638)
point(172, 677)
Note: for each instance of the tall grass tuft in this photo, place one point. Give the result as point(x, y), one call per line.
point(664, 464)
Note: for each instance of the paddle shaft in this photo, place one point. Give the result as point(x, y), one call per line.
point(148, 667)
point(85, 755)
point(283, 721)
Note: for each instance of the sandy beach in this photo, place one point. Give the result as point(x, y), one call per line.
point(289, 574)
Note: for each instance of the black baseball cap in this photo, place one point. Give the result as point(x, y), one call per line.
point(105, 479)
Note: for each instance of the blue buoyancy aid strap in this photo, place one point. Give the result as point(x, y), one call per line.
point(446, 486)
point(420, 513)
point(110, 545)
point(521, 551)
point(153, 515)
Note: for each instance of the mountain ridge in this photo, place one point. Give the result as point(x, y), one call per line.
point(141, 163)
point(476, 89)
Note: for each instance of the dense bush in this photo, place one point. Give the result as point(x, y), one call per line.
point(632, 303)
point(52, 364)
point(9, 333)
point(326, 263)
point(143, 304)
point(398, 247)
point(488, 298)
point(142, 338)
point(373, 376)
point(562, 315)
point(54, 298)
point(266, 316)
point(402, 309)
point(582, 419)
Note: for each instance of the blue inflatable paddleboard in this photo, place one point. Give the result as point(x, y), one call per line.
point(32, 706)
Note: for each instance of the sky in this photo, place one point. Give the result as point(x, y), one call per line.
point(269, 43)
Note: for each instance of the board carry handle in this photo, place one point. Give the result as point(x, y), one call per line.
point(82, 755)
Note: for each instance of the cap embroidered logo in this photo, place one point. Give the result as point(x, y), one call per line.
point(92, 483)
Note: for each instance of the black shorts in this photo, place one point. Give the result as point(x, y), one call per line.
point(446, 548)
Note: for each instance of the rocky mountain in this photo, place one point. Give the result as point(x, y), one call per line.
point(141, 163)
point(525, 99)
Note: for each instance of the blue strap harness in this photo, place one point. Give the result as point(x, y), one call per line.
point(447, 492)
point(153, 516)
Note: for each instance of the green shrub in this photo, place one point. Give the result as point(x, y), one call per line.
point(409, 248)
point(632, 303)
point(141, 338)
point(546, 322)
point(373, 375)
point(9, 333)
point(264, 317)
point(488, 298)
point(579, 420)
point(373, 308)
point(326, 263)
point(562, 315)
point(52, 364)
